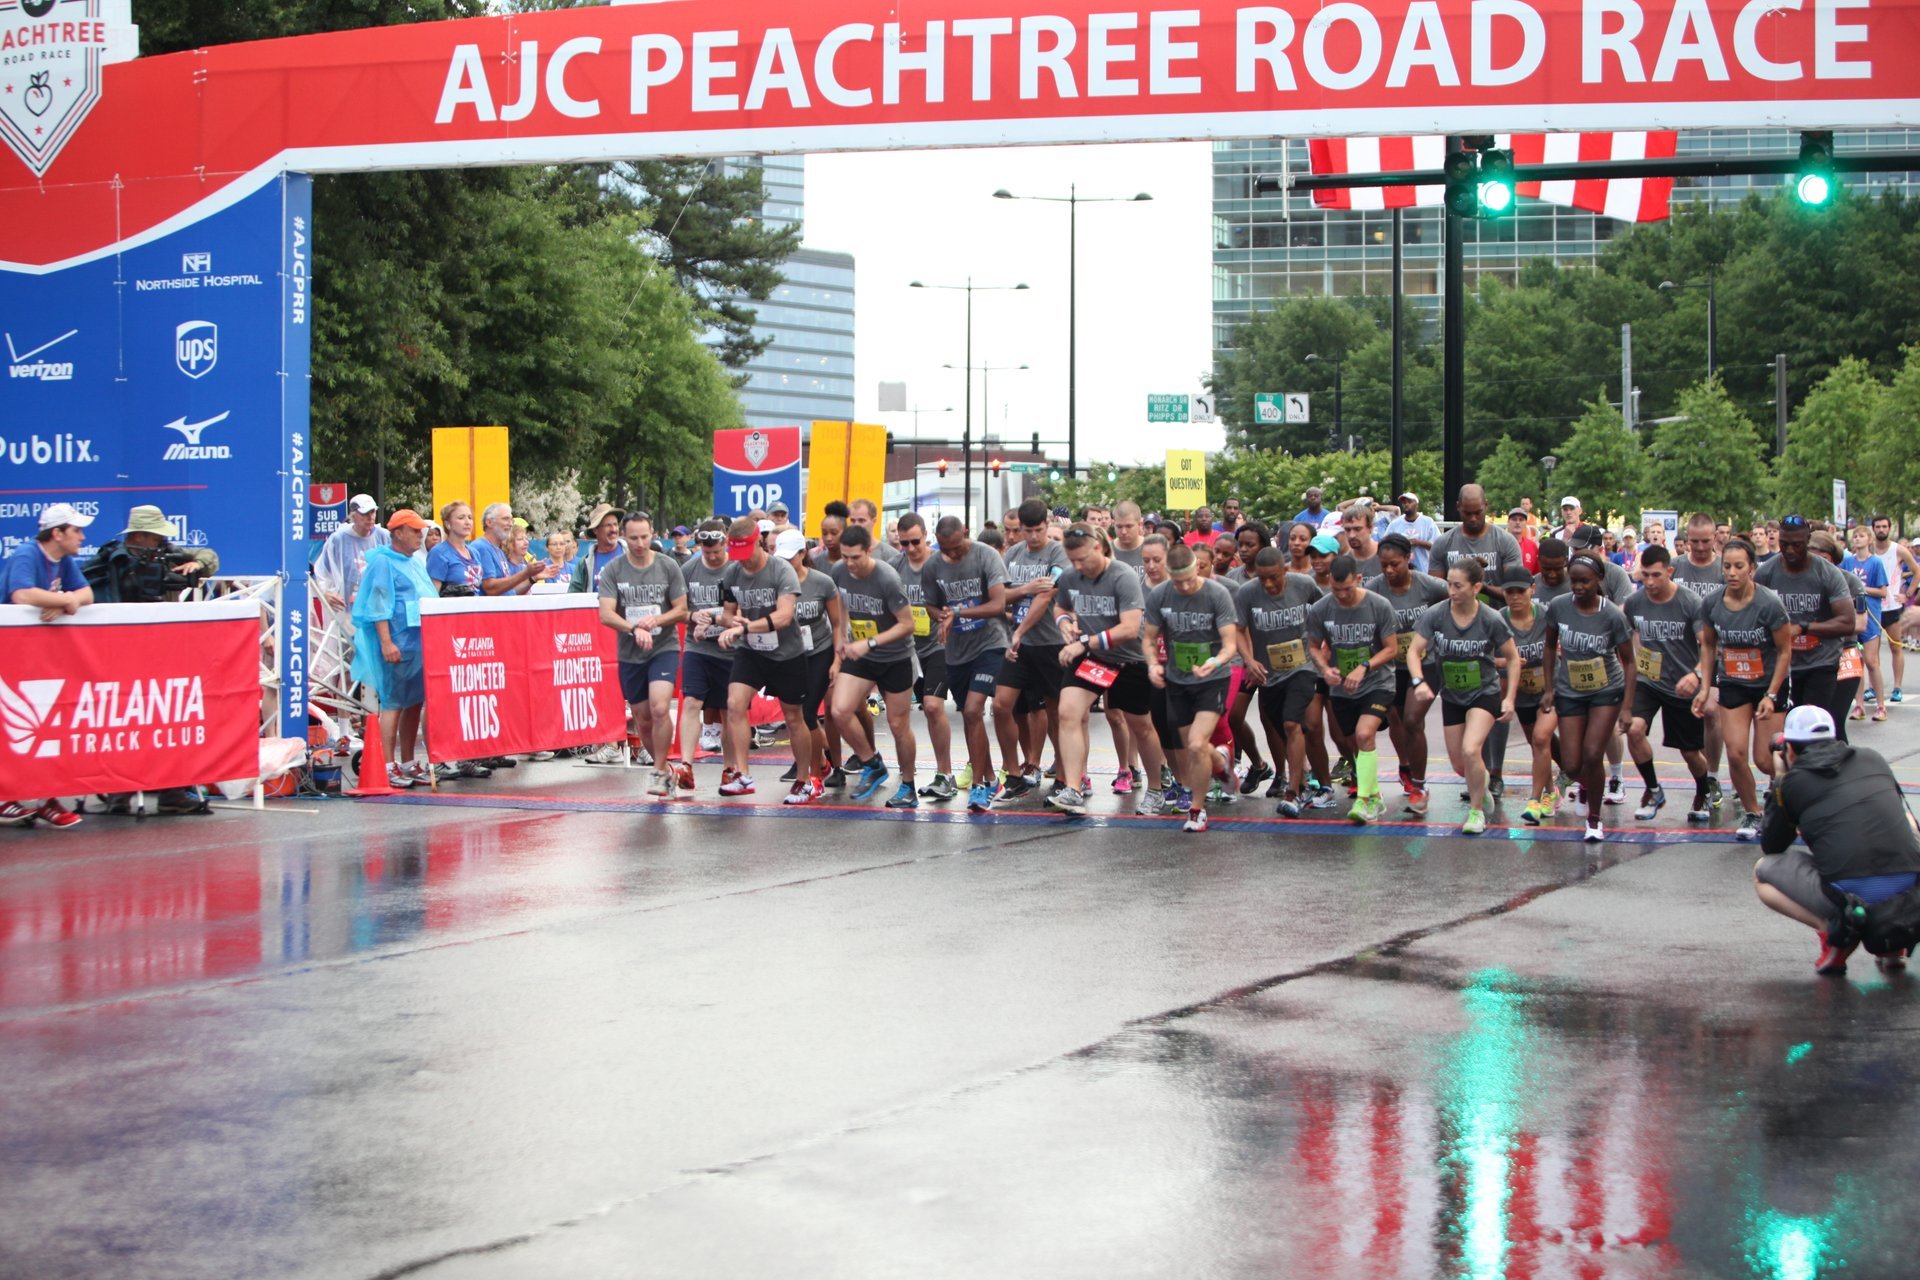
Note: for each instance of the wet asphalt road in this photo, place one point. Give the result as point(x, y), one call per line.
point(545, 1030)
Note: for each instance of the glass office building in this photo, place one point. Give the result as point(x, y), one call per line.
point(1269, 248)
point(806, 371)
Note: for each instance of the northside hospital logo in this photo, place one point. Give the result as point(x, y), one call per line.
point(51, 52)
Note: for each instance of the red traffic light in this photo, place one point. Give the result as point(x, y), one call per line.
point(942, 464)
point(994, 466)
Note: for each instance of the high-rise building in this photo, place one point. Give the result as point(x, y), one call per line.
point(806, 371)
point(1269, 248)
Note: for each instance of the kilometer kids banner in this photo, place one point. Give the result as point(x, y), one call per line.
point(98, 152)
point(528, 673)
point(128, 697)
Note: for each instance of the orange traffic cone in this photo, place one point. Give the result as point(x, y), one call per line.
point(373, 768)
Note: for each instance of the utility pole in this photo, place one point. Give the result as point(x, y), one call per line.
point(1454, 361)
point(1628, 409)
point(1396, 442)
point(1780, 405)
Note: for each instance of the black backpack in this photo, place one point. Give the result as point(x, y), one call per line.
point(1884, 928)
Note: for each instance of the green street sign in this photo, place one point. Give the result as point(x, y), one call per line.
point(1268, 409)
point(1167, 408)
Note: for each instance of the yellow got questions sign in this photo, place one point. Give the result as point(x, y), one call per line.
point(1186, 479)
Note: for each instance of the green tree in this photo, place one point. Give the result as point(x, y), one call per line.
point(1531, 352)
point(1708, 457)
point(1511, 473)
point(1893, 442)
point(1270, 356)
point(1831, 438)
point(1602, 465)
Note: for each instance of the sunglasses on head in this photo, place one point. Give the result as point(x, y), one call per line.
point(714, 536)
point(1793, 522)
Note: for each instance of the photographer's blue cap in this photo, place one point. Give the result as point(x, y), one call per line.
point(1809, 724)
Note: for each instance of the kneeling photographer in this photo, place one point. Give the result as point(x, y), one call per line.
point(1862, 847)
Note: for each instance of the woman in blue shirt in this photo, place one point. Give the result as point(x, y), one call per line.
point(387, 653)
point(452, 565)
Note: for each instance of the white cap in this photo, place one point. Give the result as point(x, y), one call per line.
point(766, 526)
point(52, 517)
point(1570, 501)
point(789, 543)
point(1809, 724)
point(362, 502)
point(1403, 497)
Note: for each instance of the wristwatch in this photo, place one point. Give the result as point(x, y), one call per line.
point(1416, 682)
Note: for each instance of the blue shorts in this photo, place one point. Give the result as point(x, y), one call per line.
point(706, 677)
point(637, 678)
point(1873, 627)
point(981, 675)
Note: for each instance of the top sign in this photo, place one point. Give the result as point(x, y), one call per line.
point(604, 81)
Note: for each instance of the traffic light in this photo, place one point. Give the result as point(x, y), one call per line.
point(1495, 190)
point(994, 467)
point(1112, 475)
point(942, 464)
point(1461, 174)
point(1054, 475)
point(1813, 181)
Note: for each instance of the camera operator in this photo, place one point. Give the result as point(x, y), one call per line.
point(143, 566)
point(1845, 802)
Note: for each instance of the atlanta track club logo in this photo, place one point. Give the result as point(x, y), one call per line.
point(50, 57)
point(24, 710)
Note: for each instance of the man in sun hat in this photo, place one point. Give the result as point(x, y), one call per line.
point(143, 566)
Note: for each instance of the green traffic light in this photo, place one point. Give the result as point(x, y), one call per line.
point(1495, 197)
point(1813, 188)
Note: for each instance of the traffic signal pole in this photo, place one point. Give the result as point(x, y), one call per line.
point(1453, 371)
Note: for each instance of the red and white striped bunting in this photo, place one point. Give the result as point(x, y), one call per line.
point(1627, 199)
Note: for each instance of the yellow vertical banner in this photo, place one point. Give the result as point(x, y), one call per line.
point(470, 466)
point(845, 460)
point(1186, 479)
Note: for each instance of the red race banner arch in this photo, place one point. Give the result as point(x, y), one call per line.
point(170, 139)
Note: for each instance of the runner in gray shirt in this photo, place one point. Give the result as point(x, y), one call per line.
point(1200, 626)
point(1031, 674)
point(1666, 623)
point(1590, 647)
point(1746, 641)
point(1471, 648)
point(1096, 604)
point(705, 669)
point(753, 595)
point(643, 597)
point(876, 652)
point(1352, 632)
point(1273, 612)
point(640, 595)
point(969, 581)
point(1819, 604)
point(1411, 594)
point(1491, 545)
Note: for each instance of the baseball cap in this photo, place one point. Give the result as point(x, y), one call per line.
point(1517, 512)
point(1586, 535)
point(59, 513)
point(406, 518)
point(149, 520)
point(1515, 575)
point(789, 544)
point(1809, 724)
point(681, 531)
point(1570, 501)
point(779, 508)
point(1403, 497)
point(362, 502)
point(766, 526)
point(1325, 544)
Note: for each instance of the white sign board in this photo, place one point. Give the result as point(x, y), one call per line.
point(1297, 406)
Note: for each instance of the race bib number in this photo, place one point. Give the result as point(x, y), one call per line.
point(1020, 611)
point(1649, 663)
point(1587, 675)
point(1851, 667)
point(1402, 641)
point(1288, 655)
point(635, 612)
point(1533, 681)
point(1461, 677)
point(1347, 659)
point(1748, 666)
point(1805, 644)
point(1095, 674)
point(964, 625)
point(1188, 654)
point(922, 624)
point(864, 628)
point(763, 641)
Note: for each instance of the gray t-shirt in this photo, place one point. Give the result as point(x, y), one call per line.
point(1368, 567)
point(1744, 637)
point(964, 584)
point(1276, 626)
point(1495, 549)
point(1589, 661)
point(926, 636)
point(1354, 636)
point(1131, 557)
point(1190, 626)
point(810, 610)
point(1026, 565)
point(1809, 596)
point(1701, 579)
point(1097, 603)
point(1669, 636)
point(1467, 658)
point(1409, 606)
point(704, 592)
point(758, 595)
point(871, 605)
point(644, 593)
point(1532, 644)
point(1615, 584)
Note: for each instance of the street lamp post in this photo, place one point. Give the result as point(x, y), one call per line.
point(1073, 200)
point(966, 432)
point(986, 409)
point(1713, 328)
point(1333, 440)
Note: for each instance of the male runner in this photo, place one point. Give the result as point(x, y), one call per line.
point(1411, 595)
point(707, 667)
point(1666, 624)
point(1357, 531)
point(643, 596)
point(1819, 604)
point(1273, 611)
point(1491, 545)
point(768, 648)
point(876, 652)
point(930, 656)
point(1901, 566)
point(1202, 630)
point(1032, 667)
point(1352, 632)
point(969, 582)
point(864, 513)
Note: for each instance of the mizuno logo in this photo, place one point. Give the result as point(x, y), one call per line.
point(24, 714)
point(192, 430)
point(193, 450)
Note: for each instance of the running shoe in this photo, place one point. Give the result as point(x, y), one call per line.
point(1832, 959)
point(1869, 697)
point(1139, 777)
point(1496, 786)
point(1032, 777)
point(980, 798)
point(1123, 783)
point(1893, 962)
point(641, 756)
point(1880, 715)
point(1652, 800)
point(398, 777)
point(1276, 788)
point(1595, 833)
point(710, 739)
point(1749, 827)
point(1417, 800)
point(1289, 808)
point(1196, 821)
point(1152, 804)
point(418, 772)
point(905, 797)
point(446, 772)
point(740, 784)
point(1366, 809)
point(873, 773)
point(1016, 786)
point(58, 816)
point(1702, 810)
point(1895, 695)
point(963, 779)
point(661, 783)
point(540, 757)
point(941, 788)
point(1575, 795)
point(1258, 774)
point(1321, 798)
point(836, 779)
point(1167, 780)
point(1616, 792)
point(1217, 791)
point(683, 774)
point(17, 814)
point(1476, 823)
point(1535, 813)
point(792, 774)
point(1714, 794)
point(1069, 801)
point(1179, 799)
point(1343, 769)
point(805, 791)
point(474, 769)
point(763, 735)
point(1550, 803)
point(1858, 713)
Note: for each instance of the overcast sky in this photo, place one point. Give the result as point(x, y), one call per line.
point(1145, 286)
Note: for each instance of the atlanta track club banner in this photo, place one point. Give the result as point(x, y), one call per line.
point(525, 673)
point(128, 697)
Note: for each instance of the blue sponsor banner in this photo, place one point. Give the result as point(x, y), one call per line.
point(172, 373)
